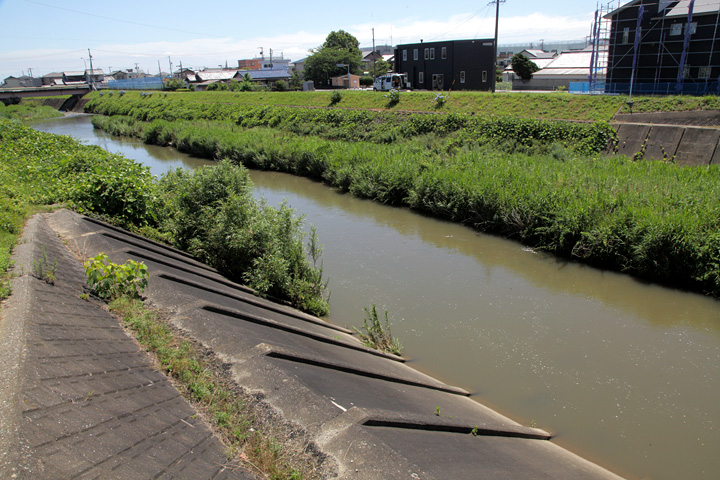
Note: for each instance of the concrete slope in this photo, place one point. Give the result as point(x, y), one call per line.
point(377, 417)
point(79, 398)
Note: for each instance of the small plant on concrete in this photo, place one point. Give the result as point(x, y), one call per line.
point(474, 431)
point(43, 270)
point(109, 280)
point(375, 335)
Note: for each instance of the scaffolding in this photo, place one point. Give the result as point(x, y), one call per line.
point(599, 42)
point(660, 47)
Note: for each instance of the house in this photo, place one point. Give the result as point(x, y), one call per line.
point(374, 57)
point(54, 78)
point(22, 81)
point(184, 74)
point(445, 65)
point(346, 81)
point(251, 64)
point(96, 75)
point(664, 47)
point(207, 77)
point(560, 70)
point(265, 77)
point(298, 65)
point(74, 77)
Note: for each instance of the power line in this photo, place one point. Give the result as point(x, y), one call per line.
point(123, 21)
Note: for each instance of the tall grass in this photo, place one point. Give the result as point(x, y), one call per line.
point(650, 219)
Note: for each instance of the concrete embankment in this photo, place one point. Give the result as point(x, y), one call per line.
point(78, 397)
point(373, 415)
point(686, 138)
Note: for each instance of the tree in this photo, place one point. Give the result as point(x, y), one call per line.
point(173, 84)
point(339, 48)
point(295, 81)
point(523, 66)
point(381, 67)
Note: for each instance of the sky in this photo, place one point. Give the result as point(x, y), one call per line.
point(42, 36)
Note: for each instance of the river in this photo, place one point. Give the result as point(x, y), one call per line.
point(622, 372)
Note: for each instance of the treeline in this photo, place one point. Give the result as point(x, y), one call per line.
point(209, 213)
point(653, 220)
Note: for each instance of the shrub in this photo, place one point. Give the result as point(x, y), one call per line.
point(376, 335)
point(215, 217)
point(110, 281)
point(335, 97)
point(393, 97)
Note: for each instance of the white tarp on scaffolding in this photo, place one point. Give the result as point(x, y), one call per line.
point(700, 7)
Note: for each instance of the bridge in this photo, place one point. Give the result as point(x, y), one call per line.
point(46, 91)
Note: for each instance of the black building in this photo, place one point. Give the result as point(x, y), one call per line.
point(453, 64)
point(677, 51)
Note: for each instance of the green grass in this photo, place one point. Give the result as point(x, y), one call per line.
point(26, 112)
point(526, 105)
point(672, 103)
point(230, 412)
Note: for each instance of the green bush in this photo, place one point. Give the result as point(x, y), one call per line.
point(215, 217)
point(110, 281)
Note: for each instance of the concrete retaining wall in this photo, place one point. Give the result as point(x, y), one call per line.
point(680, 144)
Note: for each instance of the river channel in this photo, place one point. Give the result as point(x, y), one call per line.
point(624, 373)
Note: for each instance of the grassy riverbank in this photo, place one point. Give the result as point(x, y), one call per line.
point(652, 220)
point(210, 212)
point(540, 106)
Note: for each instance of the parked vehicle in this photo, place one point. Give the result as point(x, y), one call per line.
point(397, 81)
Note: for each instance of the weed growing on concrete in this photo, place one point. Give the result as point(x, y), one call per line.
point(232, 418)
point(43, 270)
point(109, 280)
point(376, 335)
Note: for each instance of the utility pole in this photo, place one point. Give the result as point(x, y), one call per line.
point(271, 64)
point(373, 53)
point(170, 62)
point(92, 83)
point(497, 20)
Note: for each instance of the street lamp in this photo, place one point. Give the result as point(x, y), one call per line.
point(348, 67)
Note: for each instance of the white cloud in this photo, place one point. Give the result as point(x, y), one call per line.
point(212, 52)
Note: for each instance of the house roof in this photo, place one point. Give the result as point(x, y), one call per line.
point(679, 10)
point(539, 54)
point(700, 7)
point(53, 75)
point(74, 74)
point(570, 63)
point(215, 75)
point(264, 74)
point(96, 71)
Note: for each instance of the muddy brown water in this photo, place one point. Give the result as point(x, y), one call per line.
point(622, 372)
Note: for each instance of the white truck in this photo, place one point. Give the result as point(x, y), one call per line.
point(397, 81)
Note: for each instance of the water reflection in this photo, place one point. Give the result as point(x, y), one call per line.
point(657, 305)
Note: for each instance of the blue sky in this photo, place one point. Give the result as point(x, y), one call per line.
point(54, 35)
